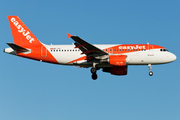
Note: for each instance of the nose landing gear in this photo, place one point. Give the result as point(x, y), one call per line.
point(150, 72)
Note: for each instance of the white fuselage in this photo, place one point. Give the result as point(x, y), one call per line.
point(67, 53)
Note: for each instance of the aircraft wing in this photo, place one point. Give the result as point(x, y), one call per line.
point(87, 48)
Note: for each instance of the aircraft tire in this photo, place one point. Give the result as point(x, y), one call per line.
point(150, 73)
point(94, 76)
point(93, 70)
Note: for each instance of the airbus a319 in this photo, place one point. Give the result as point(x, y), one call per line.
point(112, 58)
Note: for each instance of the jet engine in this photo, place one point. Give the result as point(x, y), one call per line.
point(119, 65)
point(117, 60)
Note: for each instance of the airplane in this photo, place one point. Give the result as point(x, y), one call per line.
point(112, 58)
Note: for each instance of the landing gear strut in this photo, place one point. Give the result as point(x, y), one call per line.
point(150, 72)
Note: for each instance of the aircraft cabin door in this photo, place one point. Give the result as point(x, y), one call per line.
point(151, 51)
point(43, 52)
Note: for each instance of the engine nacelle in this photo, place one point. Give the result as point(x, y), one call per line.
point(118, 60)
point(117, 70)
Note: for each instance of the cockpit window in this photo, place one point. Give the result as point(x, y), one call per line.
point(163, 50)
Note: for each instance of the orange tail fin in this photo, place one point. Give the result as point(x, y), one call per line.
point(21, 34)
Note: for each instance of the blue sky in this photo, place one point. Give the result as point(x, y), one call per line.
point(32, 90)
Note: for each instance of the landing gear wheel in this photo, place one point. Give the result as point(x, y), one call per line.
point(93, 70)
point(150, 73)
point(94, 76)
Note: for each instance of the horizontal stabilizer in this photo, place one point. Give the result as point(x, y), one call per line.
point(17, 48)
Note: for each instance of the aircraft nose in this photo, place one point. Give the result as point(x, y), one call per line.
point(173, 57)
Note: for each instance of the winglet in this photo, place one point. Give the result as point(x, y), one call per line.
point(69, 35)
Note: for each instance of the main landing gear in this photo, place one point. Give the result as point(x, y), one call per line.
point(150, 68)
point(94, 75)
point(93, 71)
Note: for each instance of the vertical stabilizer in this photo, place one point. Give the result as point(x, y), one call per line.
point(26, 44)
point(21, 34)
